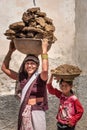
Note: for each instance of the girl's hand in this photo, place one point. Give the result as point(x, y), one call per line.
point(69, 124)
point(57, 78)
point(12, 46)
point(51, 79)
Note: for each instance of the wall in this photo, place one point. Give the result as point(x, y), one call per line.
point(69, 19)
point(81, 33)
point(63, 15)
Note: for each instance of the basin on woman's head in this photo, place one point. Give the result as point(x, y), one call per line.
point(29, 46)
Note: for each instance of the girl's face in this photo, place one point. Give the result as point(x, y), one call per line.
point(65, 87)
point(30, 67)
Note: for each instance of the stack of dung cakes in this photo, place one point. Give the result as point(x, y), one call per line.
point(28, 32)
point(66, 72)
point(34, 24)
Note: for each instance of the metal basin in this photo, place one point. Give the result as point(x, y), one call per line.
point(29, 46)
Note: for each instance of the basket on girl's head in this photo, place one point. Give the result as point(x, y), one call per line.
point(66, 72)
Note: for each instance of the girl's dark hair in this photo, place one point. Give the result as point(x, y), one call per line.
point(68, 82)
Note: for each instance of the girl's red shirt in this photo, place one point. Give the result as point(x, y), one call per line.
point(70, 109)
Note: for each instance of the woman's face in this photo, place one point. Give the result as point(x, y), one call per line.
point(30, 67)
point(65, 87)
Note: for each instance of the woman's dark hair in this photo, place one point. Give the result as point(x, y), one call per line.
point(22, 73)
point(68, 82)
point(32, 57)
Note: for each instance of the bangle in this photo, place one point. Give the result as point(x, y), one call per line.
point(44, 56)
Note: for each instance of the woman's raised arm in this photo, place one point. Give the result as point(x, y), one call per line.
point(5, 65)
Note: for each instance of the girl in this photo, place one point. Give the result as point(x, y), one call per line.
point(70, 109)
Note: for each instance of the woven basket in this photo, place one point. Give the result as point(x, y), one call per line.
point(67, 77)
point(29, 46)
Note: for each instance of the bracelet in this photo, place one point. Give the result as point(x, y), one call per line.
point(44, 56)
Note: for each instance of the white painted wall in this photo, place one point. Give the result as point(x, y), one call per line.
point(81, 34)
point(63, 14)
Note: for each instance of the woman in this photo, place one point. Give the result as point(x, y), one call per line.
point(32, 88)
point(70, 109)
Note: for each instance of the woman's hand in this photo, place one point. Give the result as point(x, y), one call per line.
point(12, 46)
point(44, 45)
point(44, 56)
